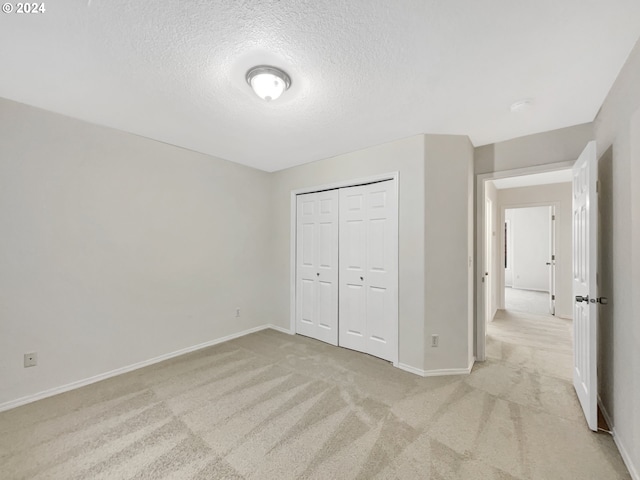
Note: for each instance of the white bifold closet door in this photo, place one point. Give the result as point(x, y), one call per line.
point(368, 307)
point(317, 266)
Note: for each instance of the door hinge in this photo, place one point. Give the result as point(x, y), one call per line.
point(553, 297)
point(553, 257)
point(553, 217)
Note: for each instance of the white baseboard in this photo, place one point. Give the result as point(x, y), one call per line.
point(410, 369)
point(605, 414)
point(119, 371)
point(624, 453)
point(437, 373)
point(280, 329)
point(529, 289)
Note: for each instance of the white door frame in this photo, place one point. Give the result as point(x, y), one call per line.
point(512, 206)
point(481, 329)
point(393, 176)
point(487, 279)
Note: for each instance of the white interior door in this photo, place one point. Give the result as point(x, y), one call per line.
point(317, 265)
point(369, 269)
point(585, 312)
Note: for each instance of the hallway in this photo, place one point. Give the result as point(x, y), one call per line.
point(529, 301)
point(541, 343)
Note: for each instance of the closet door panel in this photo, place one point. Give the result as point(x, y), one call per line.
point(317, 266)
point(326, 305)
point(308, 295)
point(381, 272)
point(352, 323)
point(353, 317)
point(368, 269)
point(306, 264)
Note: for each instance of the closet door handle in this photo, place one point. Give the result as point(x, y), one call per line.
point(318, 274)
point(362, 278)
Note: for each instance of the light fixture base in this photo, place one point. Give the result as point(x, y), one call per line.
point(268, 82)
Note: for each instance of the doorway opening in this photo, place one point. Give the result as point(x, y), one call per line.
point(525, 245)
point(529, 263)
point(521, 217)
point(576, 301)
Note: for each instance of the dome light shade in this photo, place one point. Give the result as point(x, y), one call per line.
point(268, 82)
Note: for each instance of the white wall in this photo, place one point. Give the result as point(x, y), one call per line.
point(530, 247)
point(448, 269)
point(116, 249)
point(494, 278)
point(508, 239)
point(617, 128)
point(544, 148)
point(558, 194)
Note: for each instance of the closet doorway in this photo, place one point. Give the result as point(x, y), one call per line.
point(345, 279)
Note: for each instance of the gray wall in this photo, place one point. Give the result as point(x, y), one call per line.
point(448, 251)
point(549, 147)
point(617, 129)
point(116, 249)
point(491, 193)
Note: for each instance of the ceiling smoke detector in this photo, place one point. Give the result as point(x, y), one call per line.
point(521, 105)
point(268, 82)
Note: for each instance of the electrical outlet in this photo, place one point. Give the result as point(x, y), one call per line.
point(237, 313)
point(434, 340)
point(30, 359)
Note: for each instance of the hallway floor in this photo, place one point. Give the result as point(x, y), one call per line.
point(529, 301)
point(542, 343)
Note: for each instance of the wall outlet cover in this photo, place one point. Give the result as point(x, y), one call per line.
point(30, 359)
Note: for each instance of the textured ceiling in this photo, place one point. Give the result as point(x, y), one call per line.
point(364, 72)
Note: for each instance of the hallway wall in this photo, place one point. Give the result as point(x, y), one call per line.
point(617, 129)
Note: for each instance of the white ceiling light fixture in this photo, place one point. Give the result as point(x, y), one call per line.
point(268, 82)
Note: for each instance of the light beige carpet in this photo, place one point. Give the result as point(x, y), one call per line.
point(528, 301)
point(274, 406)
point(539, 343)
